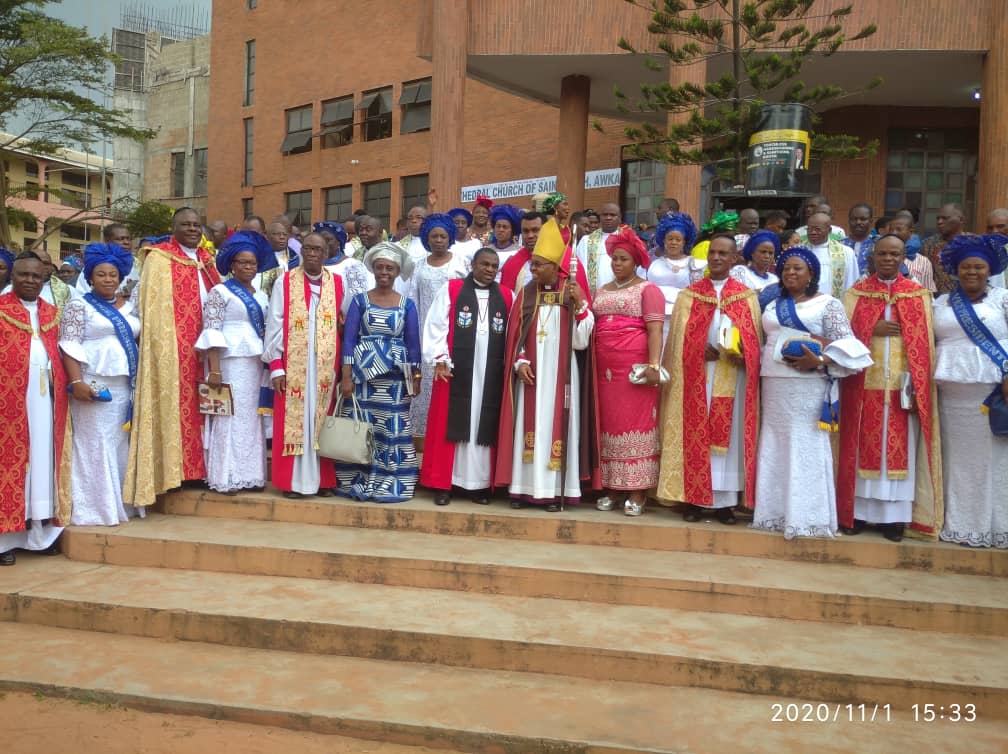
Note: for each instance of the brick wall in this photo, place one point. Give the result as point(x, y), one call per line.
point(506, 137)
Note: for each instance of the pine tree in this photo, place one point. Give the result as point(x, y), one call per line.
point(765, 43)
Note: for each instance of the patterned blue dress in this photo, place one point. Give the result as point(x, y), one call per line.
point(382, 346)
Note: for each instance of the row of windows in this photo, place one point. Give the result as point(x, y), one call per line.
point(377, 200)
point(337, 118)
point(338, 121)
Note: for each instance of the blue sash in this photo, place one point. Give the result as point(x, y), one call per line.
point(977, 331)
point(255, 315)
point(787, 314)
point(829, 415)
point(255, 312)
point(124, 333)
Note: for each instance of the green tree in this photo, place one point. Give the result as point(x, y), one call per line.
point(762, 44)
point(53, 77)
point(148, 218)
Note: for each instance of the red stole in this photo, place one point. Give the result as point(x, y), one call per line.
point(188, 311)
point(862, 407)
point(15, 344)
point(705, 429)
point(439, 453)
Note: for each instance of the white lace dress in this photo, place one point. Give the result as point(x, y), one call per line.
point(427, 280)
point(749, 278)
point(974, 461)
point(355, 276)
point(795, 487)
point(100, 444)
point(236, 445)
point(671, 276)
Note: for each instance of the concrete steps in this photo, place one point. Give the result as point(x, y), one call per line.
point(486, 629)
point(707, 582)
point(558, 637)
point(456, 708)
point(658, 529)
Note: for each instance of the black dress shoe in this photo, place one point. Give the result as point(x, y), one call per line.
point(726, 516)
point(325, 492)
point(291, 495)
point(442, 497)
point(553, 507)
point(481, 497)
point(517, 504)
point(858, 527)
point(892, 532)
point(7, 558)
point(691, 514)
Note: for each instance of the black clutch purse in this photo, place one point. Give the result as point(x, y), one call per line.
point(997, 412)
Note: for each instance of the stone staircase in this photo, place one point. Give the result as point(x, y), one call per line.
point(483, 629)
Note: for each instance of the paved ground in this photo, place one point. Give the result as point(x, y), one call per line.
point(31, 724)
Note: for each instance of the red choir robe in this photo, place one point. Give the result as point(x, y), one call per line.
point(866, 397)
point(439, 452)
point(690, 430)
point(166, 437)
point(327, 339)
point(15, 344)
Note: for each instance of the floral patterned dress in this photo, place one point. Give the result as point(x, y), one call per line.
point(628, 413)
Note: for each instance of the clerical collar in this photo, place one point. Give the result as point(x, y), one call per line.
point(28, 304)
point(481, 287)
point(888, 282)
point(823, 245)
point(314, 278)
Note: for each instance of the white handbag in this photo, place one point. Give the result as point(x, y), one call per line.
point(637, 376)
point(346, 439)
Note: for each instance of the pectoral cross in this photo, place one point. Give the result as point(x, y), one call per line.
point(541, 333)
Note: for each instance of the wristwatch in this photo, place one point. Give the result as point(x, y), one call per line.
point(822, 364)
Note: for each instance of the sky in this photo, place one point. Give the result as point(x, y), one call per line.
point(99, 16)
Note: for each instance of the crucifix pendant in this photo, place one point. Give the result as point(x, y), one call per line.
point(541, 334)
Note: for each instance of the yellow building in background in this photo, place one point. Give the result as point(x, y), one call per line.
point(70, 191)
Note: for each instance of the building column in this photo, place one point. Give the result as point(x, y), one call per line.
point(450, 49)
point(993, 179)
point(682, 182)
point(575, 93)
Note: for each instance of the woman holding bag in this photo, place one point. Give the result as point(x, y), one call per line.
point(381, 370)
point(234, 324)
point(629, 315)
point(809, 344)
point(971, 335)
point(98, 335)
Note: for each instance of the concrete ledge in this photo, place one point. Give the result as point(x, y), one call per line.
point(693, 581)
point(467, 710)
point(584, 640)
point(659, 529)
